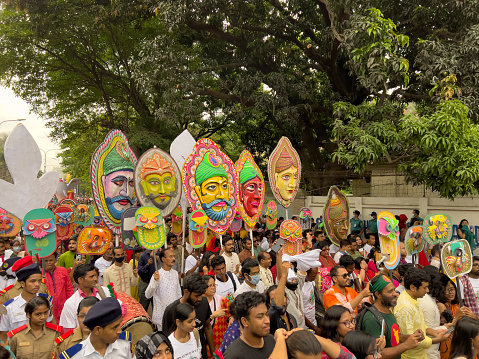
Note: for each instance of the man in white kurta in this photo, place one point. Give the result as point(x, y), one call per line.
point(164, 287)
point(121, 274)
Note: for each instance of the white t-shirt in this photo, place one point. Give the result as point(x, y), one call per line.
point(102, 264)
point(188, 350)
point(338, 256)
point(190, 262)
point(243, 288)
point(333, 248)
point(308, 302)
point(227, 289)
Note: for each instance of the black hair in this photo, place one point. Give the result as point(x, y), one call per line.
point(255, 234)
point(261, 256)
point(435, 286)
point(344, 242)
point(323, 244)
point(431, 270)
point(36, 302)
point(461, 344)
point(81, 270)
point(169, 236)
point(118, 247)
point(205, 260)
point(87, 302)
point(249, 263)
point(334, 272)
point(436, 250)
point(303, 342)
point(207, 278)
point(359, 343)
point(245, 239)
point(371, 234)
point(73, 238)
point(268, 292)
point(4, 353)
point(226, 239)
point(475, 258)
point(329, 328)
point(416, 211)
point(195, 283)
point(183, 311)
point(358, 261)
point(281, 219)
point(445, 280)
point(346, 260)
point(306, 231)
point(403, 268)
point(217, 260)
point(460, 223)
point(317, 233)
point(244, 302)
point(163, 253)
point(415, 276)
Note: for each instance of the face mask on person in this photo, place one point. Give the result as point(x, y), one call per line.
point(16, 249)
point(120, 259)
point(292, 286)
point(255, 279)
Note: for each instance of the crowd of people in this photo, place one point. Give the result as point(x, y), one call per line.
point(239, 297)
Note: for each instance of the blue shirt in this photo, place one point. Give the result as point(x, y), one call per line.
point(144, 270)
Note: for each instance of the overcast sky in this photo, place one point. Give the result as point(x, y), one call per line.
point(12, 108)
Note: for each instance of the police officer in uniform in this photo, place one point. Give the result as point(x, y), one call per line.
point(106, 339)
point(29, 277)
point(14, 290)
point(80, 333)
point(35, 339)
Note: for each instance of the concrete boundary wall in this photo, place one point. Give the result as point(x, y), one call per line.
point(458, 209)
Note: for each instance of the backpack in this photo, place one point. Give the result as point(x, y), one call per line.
point(376, 313)
point(229, 274)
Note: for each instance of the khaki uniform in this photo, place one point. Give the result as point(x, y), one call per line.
point(25, 345)
point(68, 340)
point(16, 289)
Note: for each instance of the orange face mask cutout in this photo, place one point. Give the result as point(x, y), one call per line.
point(290, 231)
point(94, 240)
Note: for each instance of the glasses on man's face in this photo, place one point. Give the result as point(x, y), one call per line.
point(344, 276)
point(375, 353)
point(349, 323)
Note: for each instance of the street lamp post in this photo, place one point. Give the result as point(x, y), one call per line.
point(17, 120)
point(45, 159)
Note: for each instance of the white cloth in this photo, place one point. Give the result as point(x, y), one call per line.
point(227, 289)
point(475, 285)
point(5, 282)
point(120, 349)
point(338, 256)
point(68, 318)
point(333, 248)
point(231, 262)
point(16, 316)
point(432, 318)
point(436, 263)
point(8, 253)
point(264, 244)
point(190, 263)
point(102, 264)
point(266, 277)
point(367, 248)
point(243, 288)
point(164, 292)
point(308, 302)
point(305, 260)
point(188, 350)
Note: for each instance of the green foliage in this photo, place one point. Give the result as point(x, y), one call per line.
point(335, 76)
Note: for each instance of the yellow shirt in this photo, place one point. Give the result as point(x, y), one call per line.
point(25, 345)
point(410, 319)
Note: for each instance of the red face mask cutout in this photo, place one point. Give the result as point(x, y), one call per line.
point(290, 231)
point(251, 195)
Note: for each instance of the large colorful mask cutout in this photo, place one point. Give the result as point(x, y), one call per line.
point(9, 224)
point(437, 228)
point(84, 214)
point(64, 216)
point(112, 168)
point(210, 183)
point(198, 228)
point(39, 228)
point(94, 241)
point(271, 215)
point(158, 181)
point(237, 223)
point(284, 172)
point(129, 233)
point(456, 257)
point(291, 232)
point(151, 227)
point(177, 221)
point(388, 230)
point(251, 189)
point(336, 215)
point(414, 241)
point(305, 218)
